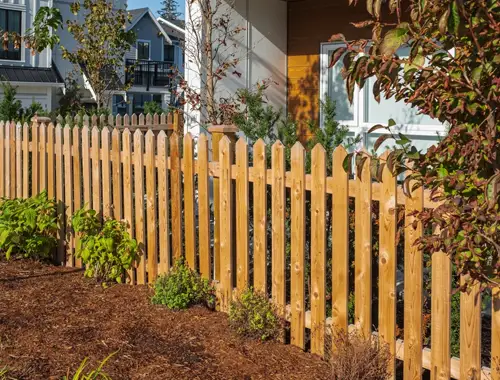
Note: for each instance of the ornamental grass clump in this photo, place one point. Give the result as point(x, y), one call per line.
point(252, 315)
point(182, 288)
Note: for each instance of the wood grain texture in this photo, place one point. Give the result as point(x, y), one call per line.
point(340, 241)
point(59, 178)
point(226, 222)
point(204, 208)
point(260, 217)
point(106, 172)
point(413, 283)
point(68, 195)
point(151, 204)
point(35, 152)
point(12, 160)
point(470, 332)
point(318, 250)
point(298, 232)
point(388, 262)
point(495, 333)
point(216, 138)
point(139, 204)
point(163, 204)
point(77, 182)
point(117, 196)
point(189, 208)
point(51, 190)
point(363, 251)
point(242, 209)
point(96, 171)
point(26, 160)
point(2, 159)
point(175, 193)
point(42, 158)
point(128, 187)
point(86, 168)
point(19, 161)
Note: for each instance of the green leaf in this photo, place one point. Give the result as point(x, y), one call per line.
point(443, 21)
point(393, 39)
point(454, 19)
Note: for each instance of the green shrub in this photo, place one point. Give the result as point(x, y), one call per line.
point(92, 375)
point(254, 316)
point(28, 227)
point(107, 250)
point(182, 288)
point(150, 108)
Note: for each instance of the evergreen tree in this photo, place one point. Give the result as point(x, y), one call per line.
point(169, 10)
point(10, 107)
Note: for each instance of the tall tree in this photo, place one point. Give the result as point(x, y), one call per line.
point(169, 10)
point(102, 40)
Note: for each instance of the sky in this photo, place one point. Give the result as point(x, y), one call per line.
point(154, 5)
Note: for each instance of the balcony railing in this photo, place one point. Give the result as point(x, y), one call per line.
point(149, 73)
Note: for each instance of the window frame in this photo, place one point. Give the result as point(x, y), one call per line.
point(22, 12)
point(137, 50)
point(359, 125)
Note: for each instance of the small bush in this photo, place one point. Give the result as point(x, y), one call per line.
point(107, 250)
point(28, 227)
point(254, 316)
point(182, 288)
point(95, 374)
point(355, 357)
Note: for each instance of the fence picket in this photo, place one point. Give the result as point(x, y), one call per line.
point(297, 279)
point(43, 157)
point(12, 146)
point(68, 194)
point(106, 172)
point(35, 151)
point(340, 241)
point(8, 172)
point(26, 161)
point(139, 203)
point(363, 249)
point(278, 224)
point(128, 205)
point(2, 160)
point(59, 178)
point(151, 220)
point(51, 181)
point(163, 200)
point(242, 207)
point(495, 333)
point(77, 183)
point(470, 332)
point(86, 168)
point(226, 233)
point(413, 282)
point(204, 208)
point(19, 162)
point(175, 189)
point(189, 217)
point(96, 171)
point(388, 262)
point(260, 216)
point(117, 208)
point(318, 250)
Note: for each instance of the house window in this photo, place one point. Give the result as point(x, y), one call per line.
point(169, 53)
point(10, 21)
point(365, 112)
point(143, 49)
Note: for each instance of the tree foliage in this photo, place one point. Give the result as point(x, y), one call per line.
point(102, 40)
point(451, 74)
point(169, 10)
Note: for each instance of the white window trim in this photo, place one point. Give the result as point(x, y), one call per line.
point(22, 9)
point(358, 125)
point(137, 49)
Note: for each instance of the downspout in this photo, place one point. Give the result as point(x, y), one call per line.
point(248, 68)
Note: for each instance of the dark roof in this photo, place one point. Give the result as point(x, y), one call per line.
point(136, 13)
point(30, 74)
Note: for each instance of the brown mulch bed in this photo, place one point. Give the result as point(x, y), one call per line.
point(51, 318)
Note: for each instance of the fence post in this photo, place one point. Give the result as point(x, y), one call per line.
point(217, 132)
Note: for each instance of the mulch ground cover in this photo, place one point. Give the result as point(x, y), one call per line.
point(51, 318)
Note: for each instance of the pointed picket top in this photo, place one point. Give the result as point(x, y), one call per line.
point(170, 118)
point(188, 139)
point(95, 131)
point(19, 125)
point(162, 135)
point(102, 120)
point(156, 119)
point(85, 129)
point(68, 120)
point(118, 121)
point(242, 142)
point(86, 120)
point(148, 119)
point(133, 119)
point(297, 147)
point(105, 133)
point(115, 133)
point(138, 132)
point(163, 118)
point(277, 145)
point(202, 138)
point(259, 144)
point(141, 119)
point(126, 132)
point(67, 129)
point(174, 138)
point(126, 120)
point(318, 149)
point(77, 119)
point(150, 136)
point(111, 120)
point(339, 162)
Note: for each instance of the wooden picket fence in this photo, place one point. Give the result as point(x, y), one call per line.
point(163, 186)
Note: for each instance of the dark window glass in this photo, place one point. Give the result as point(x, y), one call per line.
point(142, 50)
point(169, 53)
point(10, 21)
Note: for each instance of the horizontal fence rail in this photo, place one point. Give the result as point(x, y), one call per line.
point(256, 216)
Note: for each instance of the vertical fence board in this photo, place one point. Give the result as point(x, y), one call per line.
point(340, 241)
point(163, 200)
point(43, 157)
point(139, 203)
point(35, 151)
point(12, 147)
point(363, 248)
point(128, 187)
point(242, 207)
point(2, 159)
point(470, 332)
point(216, 138)
point(440, 316)
point(204, 208)
point(86, 168)
point(68, 194)
point(151, 220)
point(7, 174)
point(61, 254)
point(106, 172)
point(226, 233)
point(26, 160)
point(51, 181)
point(19, 162)
point(96, 171)
point(413, 282)
point(189, 217)
point(260, 217)
point(117, 173)
point(318, 250)
point(297, 279)
point(175, 188)
point(278, 225)
point(77, 181)
point(388, 262)
point(495, 333)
